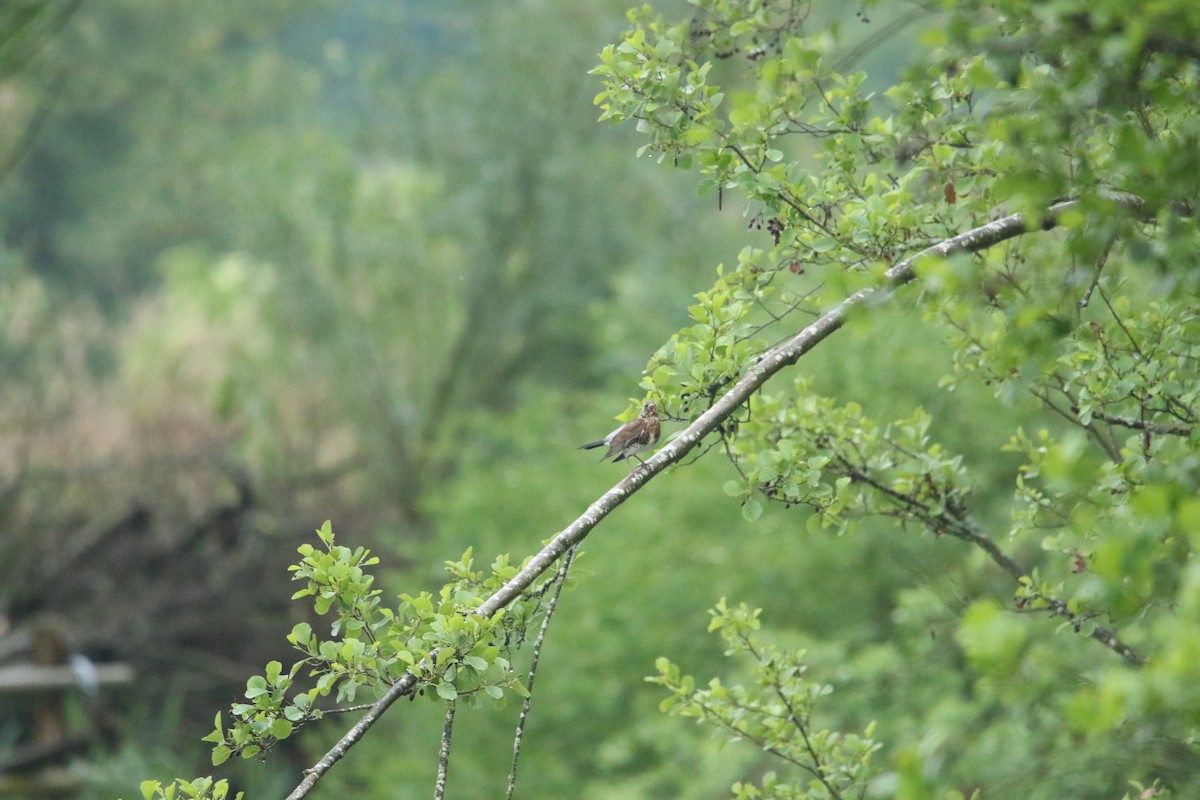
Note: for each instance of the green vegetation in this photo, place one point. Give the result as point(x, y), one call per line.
point(935, 479)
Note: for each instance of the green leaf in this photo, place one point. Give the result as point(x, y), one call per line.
point(281, 728)
point(220, 754)
point(256, 687)
point(351, 650)
point(301, 634)
point(446, 691)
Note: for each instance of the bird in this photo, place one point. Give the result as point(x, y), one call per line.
point(632, 437)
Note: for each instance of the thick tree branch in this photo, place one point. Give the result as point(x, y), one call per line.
point(767, 367)
point(400, 688)
point(762, 371)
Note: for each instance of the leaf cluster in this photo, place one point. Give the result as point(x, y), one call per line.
point(446, 648)
point(844, 464)
point(776, 714)
point(197, 789)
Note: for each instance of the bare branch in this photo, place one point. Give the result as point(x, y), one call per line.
point(439, 789)
point(1139, 425)
point(400, 688)
point(559, 580)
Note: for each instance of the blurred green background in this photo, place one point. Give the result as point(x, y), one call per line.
point(268, 264)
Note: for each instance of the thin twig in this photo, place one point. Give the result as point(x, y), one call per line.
point(1100, 263)
point(559, 580)
point(347, 709)
point(1142, 425)
point(1105, 443)
point(439, 788)
point(1133, 342)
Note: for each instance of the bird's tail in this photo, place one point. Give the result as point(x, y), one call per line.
point(591, 445)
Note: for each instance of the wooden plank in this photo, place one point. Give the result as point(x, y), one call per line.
point(23, 678)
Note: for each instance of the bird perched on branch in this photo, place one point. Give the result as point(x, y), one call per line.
point(632, 437)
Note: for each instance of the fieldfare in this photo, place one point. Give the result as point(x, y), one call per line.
point(632, 437)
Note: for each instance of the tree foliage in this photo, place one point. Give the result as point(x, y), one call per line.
point(1087, 333)
point(976, 551)
point(431, 639)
